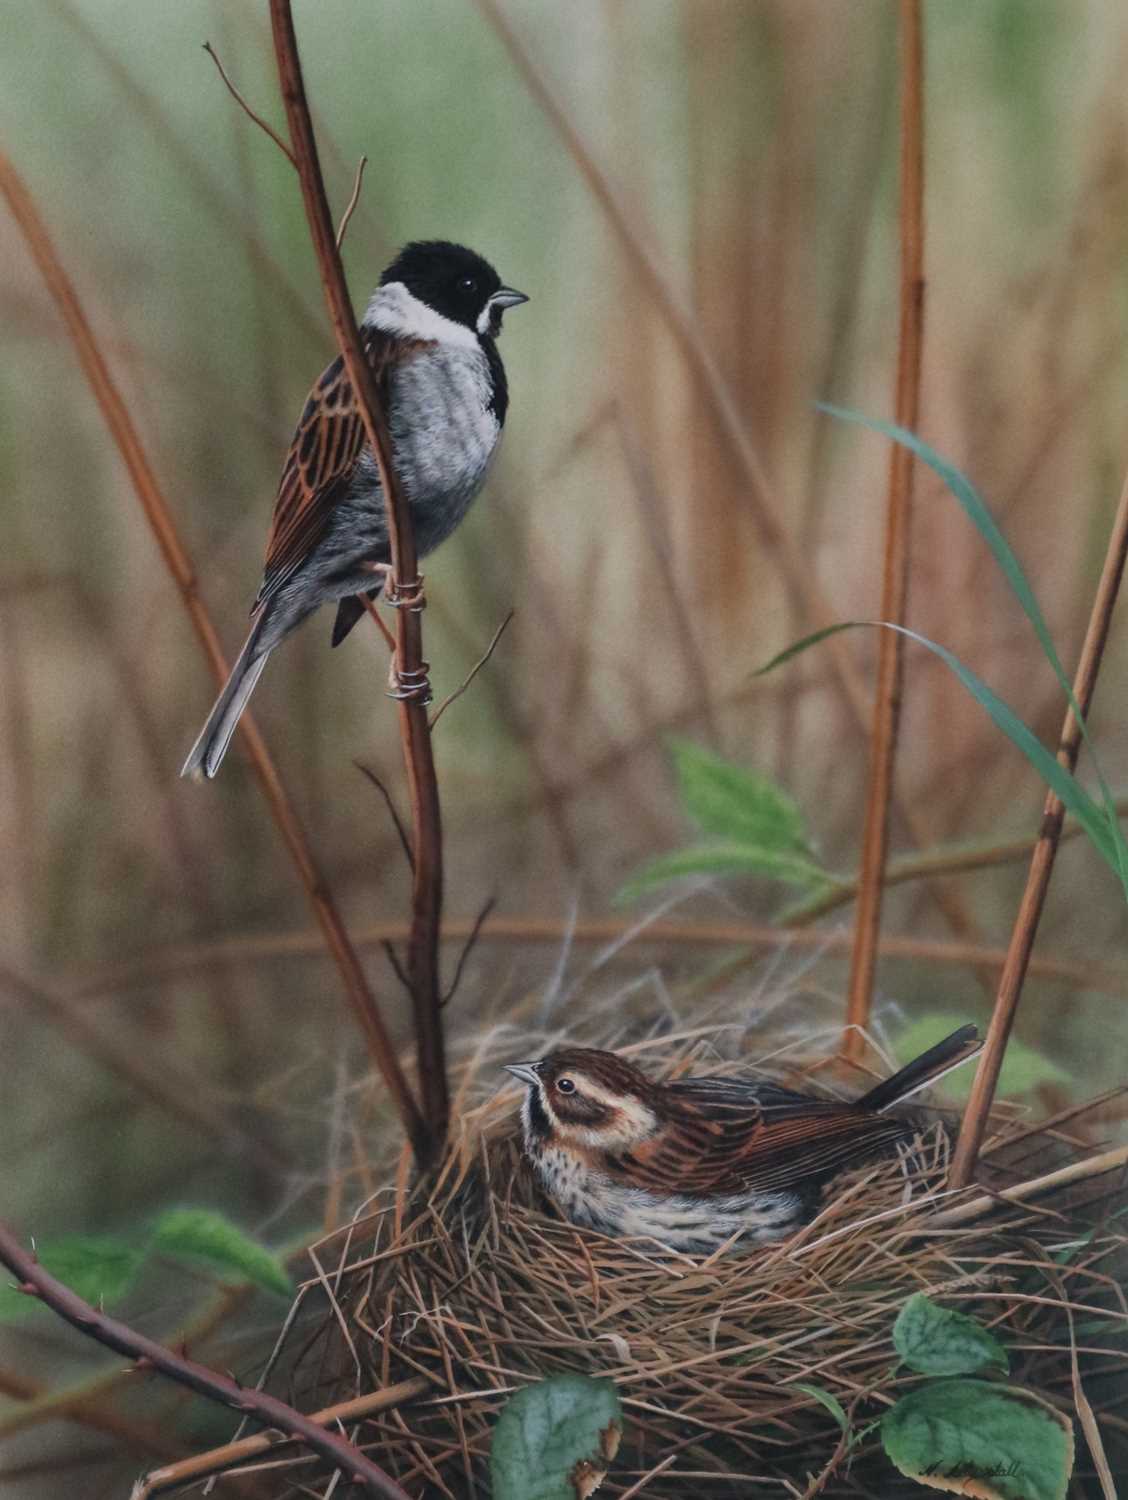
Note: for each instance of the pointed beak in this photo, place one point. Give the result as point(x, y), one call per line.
point(507, 297)
point(526, 1072)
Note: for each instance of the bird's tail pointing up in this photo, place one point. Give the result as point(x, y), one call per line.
point(925, 1069)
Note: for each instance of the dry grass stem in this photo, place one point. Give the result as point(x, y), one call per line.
point(1041, 865)
point(895, 580)
point(220, 1460)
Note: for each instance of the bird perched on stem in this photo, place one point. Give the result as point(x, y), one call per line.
point(694, 1163)
point(430, 335)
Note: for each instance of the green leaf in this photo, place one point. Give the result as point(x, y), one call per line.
point(736, 804)
point(100, 1269)
point(1010, 567)
point(1072, 794)
point(1009, 1443)
point(824, 1398)
point(554, 1440)
point(725, 859)
point(939, 1341)
point(1023, 1068)
point(198, 1234)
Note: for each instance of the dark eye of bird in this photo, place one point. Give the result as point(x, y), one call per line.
point(565, 1085)
point(468, 284)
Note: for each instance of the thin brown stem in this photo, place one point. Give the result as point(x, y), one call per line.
point(756, 938)
point(251, 114)
point(473, 672)
point(1025, 929)
point(147, 1354)
point(895, 580)
point(350, 207)
point(411, 670)
point(220, 1460)
point(159, 516)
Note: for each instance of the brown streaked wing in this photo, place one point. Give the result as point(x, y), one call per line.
point(772, 1149)
point(323, 453)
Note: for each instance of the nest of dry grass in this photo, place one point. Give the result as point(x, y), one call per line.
point(471, 1281)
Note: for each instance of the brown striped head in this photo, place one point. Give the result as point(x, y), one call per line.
point(579, 1096)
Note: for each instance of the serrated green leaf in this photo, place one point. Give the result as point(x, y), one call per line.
point(1009, 1443)
point(940, 1341)
point(1023, 1068)
point(554, 1440)
point(100, 1269)
point(824, 1398)
point(1107, 841)
point(1008, 564)
point(198, 1234)
point(725, 859)
point(735, 804)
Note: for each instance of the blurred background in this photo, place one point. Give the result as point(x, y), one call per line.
point(170, 1029)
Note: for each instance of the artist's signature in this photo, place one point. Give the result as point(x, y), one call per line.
point(975, 1471)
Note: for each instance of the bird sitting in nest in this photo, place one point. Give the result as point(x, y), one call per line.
point(696, 1163)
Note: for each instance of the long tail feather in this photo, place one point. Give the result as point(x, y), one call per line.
point(206, 755)
point(925, 1069)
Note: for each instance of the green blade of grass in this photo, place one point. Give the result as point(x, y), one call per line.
point(1053, 773)
point(981, 518)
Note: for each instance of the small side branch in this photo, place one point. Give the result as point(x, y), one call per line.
point(147, 1354)
point(350, 207)
point(474, 670)
point(257, 118)
point(978, 1107)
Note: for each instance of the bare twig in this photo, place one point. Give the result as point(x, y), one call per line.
point(1025, 929)
point(474, 670)
point(468, 948)
point(895, 582)
point(397, 967)
point(219, 1460)
point(179, 564)
point(393, 810)
point(246, 108)
point(427, 878)
point(350, 207)
point(147, 1354)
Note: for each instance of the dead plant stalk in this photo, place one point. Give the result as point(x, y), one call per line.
point(179, 564)
point(1025, 929)
point(411, 670)
point(895, 582)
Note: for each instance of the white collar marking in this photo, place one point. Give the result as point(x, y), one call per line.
point(393, 309)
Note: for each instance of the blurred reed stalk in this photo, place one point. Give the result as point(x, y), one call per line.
point(974, 1125)
point(180, 567)
point(428, 1133)
point(717, 397)
point(895, 580)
